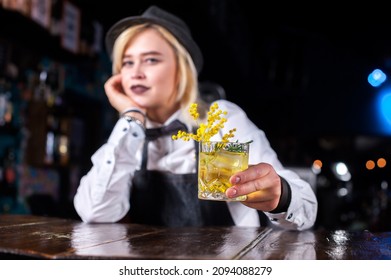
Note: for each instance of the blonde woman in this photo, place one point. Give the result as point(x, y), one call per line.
point(152, 179)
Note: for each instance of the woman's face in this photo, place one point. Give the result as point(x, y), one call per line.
point(148, 73)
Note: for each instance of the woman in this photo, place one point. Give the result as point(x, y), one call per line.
point(152, 178)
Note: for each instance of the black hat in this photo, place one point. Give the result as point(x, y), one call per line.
point(158, 16)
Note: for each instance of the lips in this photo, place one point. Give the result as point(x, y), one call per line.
point(139, 89)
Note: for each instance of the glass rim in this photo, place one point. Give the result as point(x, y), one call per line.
point(229, 142)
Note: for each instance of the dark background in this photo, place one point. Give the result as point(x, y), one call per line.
point(300, 72)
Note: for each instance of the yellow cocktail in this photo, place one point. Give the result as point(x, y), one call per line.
point(217, 162)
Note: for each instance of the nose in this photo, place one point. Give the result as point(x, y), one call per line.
point(138, 75)
point(137, 72)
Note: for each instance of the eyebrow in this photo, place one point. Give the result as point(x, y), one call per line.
point(146, 54)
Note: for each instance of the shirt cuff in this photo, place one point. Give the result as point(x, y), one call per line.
point(285, 198)
point(123, 127)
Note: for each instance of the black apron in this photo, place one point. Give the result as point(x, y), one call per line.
point(167, 199)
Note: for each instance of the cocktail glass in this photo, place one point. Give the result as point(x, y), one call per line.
point(217, 162)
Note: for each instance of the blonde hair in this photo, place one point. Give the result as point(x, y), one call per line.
point(187, 77)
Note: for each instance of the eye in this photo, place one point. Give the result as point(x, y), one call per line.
point(152, 60)
point(127, 63)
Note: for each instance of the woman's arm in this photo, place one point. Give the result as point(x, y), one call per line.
point(267, 183)
point(103, 193)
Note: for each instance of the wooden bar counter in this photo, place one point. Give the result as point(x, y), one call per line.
point(35, 237)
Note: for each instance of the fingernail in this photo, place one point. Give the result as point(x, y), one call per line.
point(236, 179)
point(231, 192)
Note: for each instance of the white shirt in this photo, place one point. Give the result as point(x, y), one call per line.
point(103, 193)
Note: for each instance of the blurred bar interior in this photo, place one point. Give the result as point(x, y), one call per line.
point(321, 96)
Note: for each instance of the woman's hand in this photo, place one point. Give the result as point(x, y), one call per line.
point(117, 96)
point(260, 183)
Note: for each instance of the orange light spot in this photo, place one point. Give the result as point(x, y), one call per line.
point(370, 164)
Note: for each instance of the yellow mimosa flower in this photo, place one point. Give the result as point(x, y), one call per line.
point(205, 131)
